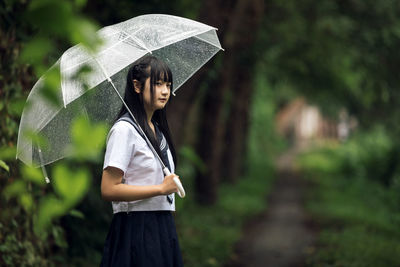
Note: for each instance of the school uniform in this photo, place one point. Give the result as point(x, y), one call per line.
point(142, 232)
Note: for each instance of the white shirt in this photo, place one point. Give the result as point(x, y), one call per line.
point(129, 152)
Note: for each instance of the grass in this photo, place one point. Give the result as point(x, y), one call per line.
point(207, 234)
point(359, 223)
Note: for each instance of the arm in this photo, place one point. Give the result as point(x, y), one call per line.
point(113, 190)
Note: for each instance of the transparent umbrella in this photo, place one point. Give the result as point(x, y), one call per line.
point(185, 45)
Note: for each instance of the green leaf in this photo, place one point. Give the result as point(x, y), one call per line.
point(77, 214)
point(80, 3)
point(88, 140)
point(51, 17)
point(7, 153)
point(50, 89)
point(82, 73)
point(33, 174)
point(50, 208)
point(4, 166)
point(58, 234)
point(26, 201)
point(71, 184)
point(16, 188)
point(84, 31)
point(16, 107)
point(36, 138)
point(35, 51)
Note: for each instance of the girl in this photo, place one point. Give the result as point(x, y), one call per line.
point(142, 231)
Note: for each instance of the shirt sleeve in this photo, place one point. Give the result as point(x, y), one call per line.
point(120, 146)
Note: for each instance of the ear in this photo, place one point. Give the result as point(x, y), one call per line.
point(137, 86)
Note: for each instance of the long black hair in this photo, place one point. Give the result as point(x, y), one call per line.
point(156, 69)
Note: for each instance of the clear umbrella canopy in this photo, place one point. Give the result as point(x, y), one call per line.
point(185, 45)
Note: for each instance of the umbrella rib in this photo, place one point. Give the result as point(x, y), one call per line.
point(120, 41)
point(177, 36)
point(102, 52)
point(184, 37)
point(140, 43)
point(176, 89)
point(133, 117)
point(123, 41)
point(201, 39)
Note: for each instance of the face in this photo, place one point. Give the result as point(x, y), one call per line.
point(162, 91)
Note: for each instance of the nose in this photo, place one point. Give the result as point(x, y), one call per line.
point(164, 89)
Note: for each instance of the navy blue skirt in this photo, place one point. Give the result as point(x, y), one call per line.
point(142, 238)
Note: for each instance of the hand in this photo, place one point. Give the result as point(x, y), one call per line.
point(168, 186)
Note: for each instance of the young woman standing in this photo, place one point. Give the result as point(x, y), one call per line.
point(142, 231)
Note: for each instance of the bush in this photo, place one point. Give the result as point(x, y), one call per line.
point(355, 201)
point(370, 155)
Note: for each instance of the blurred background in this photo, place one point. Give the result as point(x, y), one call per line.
point(290, 134)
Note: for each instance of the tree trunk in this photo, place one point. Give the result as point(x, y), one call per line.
point(237, 40)
point(237, 125)
point(237, 130)
point(217, 14)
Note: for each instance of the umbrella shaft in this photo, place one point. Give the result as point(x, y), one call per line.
point(130, 112)
point(46, 177)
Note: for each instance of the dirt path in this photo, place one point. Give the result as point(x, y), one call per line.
point(282, 236)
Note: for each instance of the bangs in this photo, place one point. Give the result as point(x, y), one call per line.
point(160, 71)
point(163, 75)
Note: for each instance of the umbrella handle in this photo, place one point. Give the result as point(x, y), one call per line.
point(181, 191)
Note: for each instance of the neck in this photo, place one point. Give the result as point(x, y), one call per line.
point(149, 114)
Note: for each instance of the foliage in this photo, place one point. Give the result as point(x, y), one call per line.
point(358, 212)
point(337, 54)
point(263, 138)
point(33, 33)
point(357, 246)
point(367, 155)
point(207, 234)
point(359, 226)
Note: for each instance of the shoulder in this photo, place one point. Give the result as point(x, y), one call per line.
point(123, 129)
point(122, 126)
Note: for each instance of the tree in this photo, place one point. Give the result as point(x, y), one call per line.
point(213, 124)
point(240, 90)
